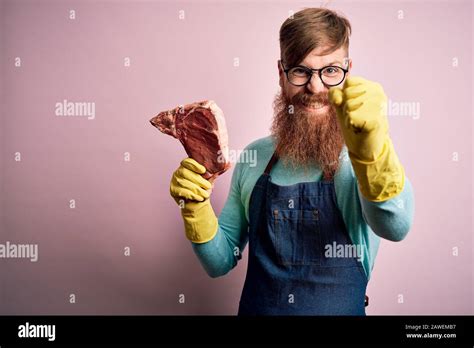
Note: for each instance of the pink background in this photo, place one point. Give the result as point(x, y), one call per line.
point(175, 61)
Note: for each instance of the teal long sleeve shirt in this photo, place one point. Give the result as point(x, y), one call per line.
point(366, 222)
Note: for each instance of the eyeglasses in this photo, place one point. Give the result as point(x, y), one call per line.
point(300, 75)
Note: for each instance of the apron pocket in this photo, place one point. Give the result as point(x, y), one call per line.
point(297, 237)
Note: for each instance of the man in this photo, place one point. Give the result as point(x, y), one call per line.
point(327, 183)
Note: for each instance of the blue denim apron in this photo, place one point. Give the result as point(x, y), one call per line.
point(288, 272)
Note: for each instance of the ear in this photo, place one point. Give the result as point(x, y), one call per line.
point(350, 65)
point(281, 74)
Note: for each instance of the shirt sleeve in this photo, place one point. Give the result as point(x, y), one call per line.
point(221, 254)
point(391, 219)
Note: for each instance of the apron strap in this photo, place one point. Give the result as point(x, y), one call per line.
point(270, 164)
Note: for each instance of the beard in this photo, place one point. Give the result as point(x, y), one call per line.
point(304, 136)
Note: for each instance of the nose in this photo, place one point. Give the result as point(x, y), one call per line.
point(315, 85)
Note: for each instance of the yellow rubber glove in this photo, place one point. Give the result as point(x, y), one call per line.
point(192, 193)
point(361, 111)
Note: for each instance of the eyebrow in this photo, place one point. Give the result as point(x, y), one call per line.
point(332, 63)
point(336, 61)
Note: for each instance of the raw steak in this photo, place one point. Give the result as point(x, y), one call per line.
point(201, 128)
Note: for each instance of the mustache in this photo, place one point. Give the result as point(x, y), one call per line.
point(304, 98)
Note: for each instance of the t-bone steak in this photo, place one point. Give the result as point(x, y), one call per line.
point(201, 128)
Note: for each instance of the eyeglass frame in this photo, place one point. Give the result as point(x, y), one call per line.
point(311, 72)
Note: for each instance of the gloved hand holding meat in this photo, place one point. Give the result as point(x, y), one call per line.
point(201, 128)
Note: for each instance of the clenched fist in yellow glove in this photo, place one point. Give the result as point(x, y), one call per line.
point(361, 111)
point(191, 191)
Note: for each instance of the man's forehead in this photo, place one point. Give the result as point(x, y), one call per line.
point(317, 58)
